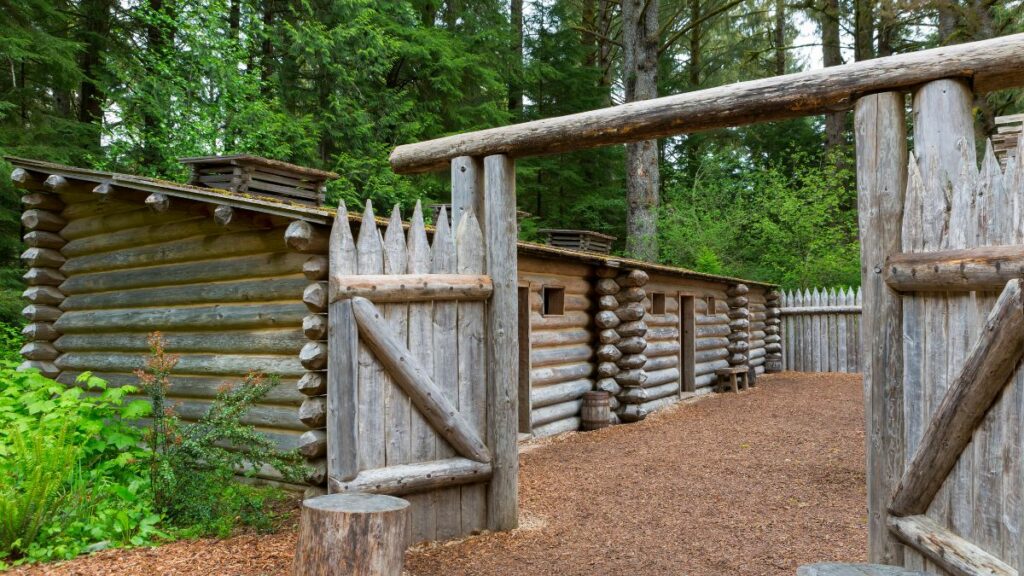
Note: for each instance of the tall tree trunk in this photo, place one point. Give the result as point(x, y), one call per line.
point(605, 16)
point(158, 40)
point(780, 37)
point(948, 20)
point(888, 23)
point(267, 46)
point(640, 79)
point(94, 28)
point(691, 145)
point(832, 55)
point(864, 29)
point(515, 80)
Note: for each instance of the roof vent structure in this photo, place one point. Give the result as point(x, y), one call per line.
point(587, 240)
point(1008, 133)
point(247, 174)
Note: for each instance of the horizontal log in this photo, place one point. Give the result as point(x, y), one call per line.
point(286, 341)
point(314, 326)
point(140, 231)
point(223, 215)
point(555, 412)
point(540, 357)
point(39, 313)
point(949, 551)
point(43, 277)
point(710, 343)
point(42, 331)
point(42, 220)
point(242, 291)
point(983, 375)
point(316, 268)
point(558, 427)
point(217, 270)
point(991, 64)
point(660, 377)
point(313, 356)
point(702, 320)
point(545, 338)
point(411, 478)
point(253, 316)
point(987, 268)
point(704, 356)
point(25, 180)
point(313, 444)
point(712, 331)
point(158, 202)
point(820, 310)
point(305, 237)
point(316, 472)
point(406, 371)
point(314, 296)
point(654, 334)
point(97, 208)
point(199, 364)
point(312, 384)
point(106, 224)
point(412, 287)
point(567, 320)
point(185, 250)
point(44, 239)
point(196, 387)
point(42, 201)
point(708, 368)
point(655, 349)
point(48, 369)
point(565, 392)
point(39, 351)
point(313, 412)
point(559, 374)
point(662, 363)
point(48, 295)
point(669, 389)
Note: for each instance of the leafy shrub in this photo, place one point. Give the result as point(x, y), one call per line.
point(191, 464)
point(85, 467)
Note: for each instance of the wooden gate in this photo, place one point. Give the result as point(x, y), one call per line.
point(418, 402)
point(943, 330)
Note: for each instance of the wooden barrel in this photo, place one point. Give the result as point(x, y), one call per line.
point(595, 412)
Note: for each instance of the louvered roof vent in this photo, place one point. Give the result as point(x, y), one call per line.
point(260, 176)
point(579, 239)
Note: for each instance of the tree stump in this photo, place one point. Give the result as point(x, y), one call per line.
point(351, 535)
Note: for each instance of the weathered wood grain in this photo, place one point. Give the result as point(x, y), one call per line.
point(342, 388)
point(962, 270)
point(946, 549)
point(992, 64)
point(881, 144)
point(416, 477)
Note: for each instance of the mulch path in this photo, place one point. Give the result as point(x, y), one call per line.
point(749, 484)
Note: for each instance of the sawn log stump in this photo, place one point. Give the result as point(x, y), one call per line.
point(351, 535)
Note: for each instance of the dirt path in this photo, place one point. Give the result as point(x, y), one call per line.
point(748, 484)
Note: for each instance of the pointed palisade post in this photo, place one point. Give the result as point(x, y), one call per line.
point(370, 409)
point(343, 350)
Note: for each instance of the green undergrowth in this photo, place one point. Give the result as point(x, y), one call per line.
point(93, 466)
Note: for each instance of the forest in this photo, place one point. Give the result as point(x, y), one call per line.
point(132, 85)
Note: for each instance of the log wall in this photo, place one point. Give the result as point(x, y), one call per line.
point(228, 299)
point(561, 347)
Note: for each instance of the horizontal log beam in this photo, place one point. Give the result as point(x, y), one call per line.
point(409, 478)
point(991, 64)
point(988, 268)
point(412, 287)
point(984, 374)
point(949, 551)
point(411, 377)
point(821, 310)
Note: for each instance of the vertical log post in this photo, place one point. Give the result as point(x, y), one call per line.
point(881, 142)
point(503, 341)
point(351, 535)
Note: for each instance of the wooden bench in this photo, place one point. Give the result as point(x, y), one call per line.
point(837, 569)
point(729, 376)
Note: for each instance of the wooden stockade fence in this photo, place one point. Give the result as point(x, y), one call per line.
point(821, 330)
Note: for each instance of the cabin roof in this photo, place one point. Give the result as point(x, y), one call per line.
point(325, 215)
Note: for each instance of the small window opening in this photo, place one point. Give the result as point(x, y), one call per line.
point(658, 303)
point(553, 301)
point(712, 306)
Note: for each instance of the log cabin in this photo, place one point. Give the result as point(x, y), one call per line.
point(232, 268)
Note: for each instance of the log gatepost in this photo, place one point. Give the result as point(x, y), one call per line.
point(881, 142)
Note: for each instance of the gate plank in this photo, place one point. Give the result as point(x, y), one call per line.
point(469, 245)
point(410, 374)
point(342, 365)
point(444, 345)
point(424, 440)
point(415, 478)
point(397, 409)
point(984, 374)
point(372, 435)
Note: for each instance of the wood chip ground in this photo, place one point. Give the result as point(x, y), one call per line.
point(755, 483)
